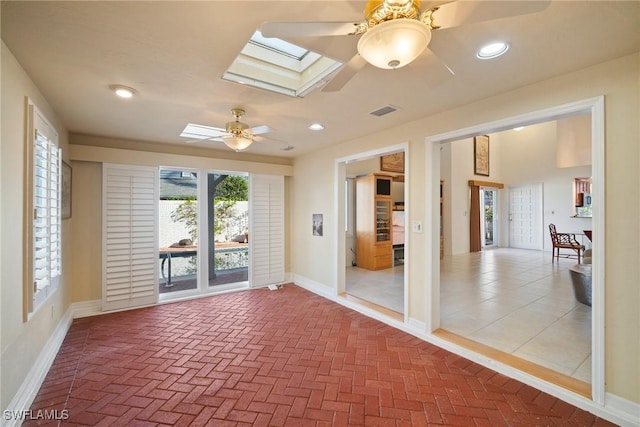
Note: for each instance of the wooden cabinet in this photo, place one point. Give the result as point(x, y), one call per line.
point(373, 222)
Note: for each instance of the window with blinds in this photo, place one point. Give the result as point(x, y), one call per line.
point(43, 228)
point(130, 250)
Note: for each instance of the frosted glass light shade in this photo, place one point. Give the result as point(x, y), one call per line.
point(237, 143)
point(395, 43)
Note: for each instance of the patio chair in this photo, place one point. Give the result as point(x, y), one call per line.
point(564, 241)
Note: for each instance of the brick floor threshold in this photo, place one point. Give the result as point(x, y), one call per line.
point(277, 358)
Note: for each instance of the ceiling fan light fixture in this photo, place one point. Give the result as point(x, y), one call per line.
point(237, 142)
point(395, 43)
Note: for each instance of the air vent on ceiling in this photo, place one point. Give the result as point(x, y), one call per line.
point(387, 109)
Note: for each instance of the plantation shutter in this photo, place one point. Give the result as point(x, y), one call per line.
point(130, 250)
point(266, 234)
point(46, 222)
point(44, 229)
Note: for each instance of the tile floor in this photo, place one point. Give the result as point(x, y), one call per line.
point(383, 287)
point(513, 300)
point(286, 357)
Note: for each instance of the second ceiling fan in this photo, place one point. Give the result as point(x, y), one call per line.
point(236, 135)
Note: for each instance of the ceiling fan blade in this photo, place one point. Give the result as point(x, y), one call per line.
point(431, 69)
point(307, 29)
point(258, 130)
point(199, 132)
point(216, 138)
point(350, 69)
point(468, 12)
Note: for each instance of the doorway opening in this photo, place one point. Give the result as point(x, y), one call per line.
point(593, 107)
point(489, 220)
point(374, 250)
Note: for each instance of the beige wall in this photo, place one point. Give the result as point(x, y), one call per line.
point(21, 342)
point(618, 81)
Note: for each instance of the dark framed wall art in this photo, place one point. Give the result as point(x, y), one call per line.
point(481, 155)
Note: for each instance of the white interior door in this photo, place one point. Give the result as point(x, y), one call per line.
point(525, 217)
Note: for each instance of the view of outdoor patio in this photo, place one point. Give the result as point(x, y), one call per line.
point(226, 222)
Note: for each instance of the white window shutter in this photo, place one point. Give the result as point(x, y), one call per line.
point(266, 234)
point(43, 230)
point(129, 236)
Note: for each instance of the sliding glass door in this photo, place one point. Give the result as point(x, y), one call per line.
point(228, 228)
point(218, 231)
point(178, 231)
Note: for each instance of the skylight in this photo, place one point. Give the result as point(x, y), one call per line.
point(280, 66)
point(279, 46)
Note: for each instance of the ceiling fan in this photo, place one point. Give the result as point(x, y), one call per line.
point(396, 32)
point(236, 134)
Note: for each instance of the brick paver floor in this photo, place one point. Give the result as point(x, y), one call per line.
point(275, 358)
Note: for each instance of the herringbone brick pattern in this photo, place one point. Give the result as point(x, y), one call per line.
point(283, 358)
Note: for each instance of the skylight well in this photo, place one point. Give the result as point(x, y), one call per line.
point(279, 66)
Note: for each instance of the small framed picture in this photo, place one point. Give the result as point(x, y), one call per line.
point(317, 224)
point(392, 162)
point(481, 155)
point(66, 191)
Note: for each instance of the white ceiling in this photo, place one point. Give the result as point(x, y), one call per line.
point(173, 54)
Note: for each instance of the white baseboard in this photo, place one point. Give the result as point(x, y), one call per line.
point(417, 326)
point(86, 308)
point(628, 412)
point(23, 398)
point(616, 409)
point(315, 287)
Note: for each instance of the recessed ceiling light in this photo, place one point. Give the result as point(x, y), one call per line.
point(316, 126)
point(123, 91)
point(519, 128)
point(492, 50)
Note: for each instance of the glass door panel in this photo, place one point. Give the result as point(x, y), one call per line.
point(488, 224)
point(178, 230)
point(228, 228)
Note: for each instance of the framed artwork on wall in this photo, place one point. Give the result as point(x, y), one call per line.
point(317, 224)
point(66, 191)
point(481, 155)
point(392, 162)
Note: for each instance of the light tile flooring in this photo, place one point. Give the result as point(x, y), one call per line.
point(513, 300)
point(383, 287)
